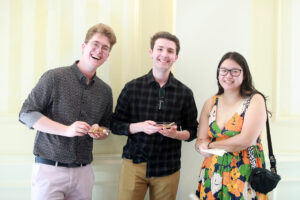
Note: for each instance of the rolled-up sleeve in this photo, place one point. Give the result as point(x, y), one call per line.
point(37, 101)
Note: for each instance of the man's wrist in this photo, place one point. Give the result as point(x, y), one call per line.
point(182, 135)
point(176, 135)
point(133, 128)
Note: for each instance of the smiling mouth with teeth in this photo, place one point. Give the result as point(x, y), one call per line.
point(95, 58)
point(164, 61)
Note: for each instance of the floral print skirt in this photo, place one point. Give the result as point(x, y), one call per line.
point(226, 178)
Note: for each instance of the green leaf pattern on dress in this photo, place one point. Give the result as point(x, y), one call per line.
point(226, 177)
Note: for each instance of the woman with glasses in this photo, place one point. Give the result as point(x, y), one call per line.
point(232, 120)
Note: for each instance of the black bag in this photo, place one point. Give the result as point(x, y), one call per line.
point(263, 180)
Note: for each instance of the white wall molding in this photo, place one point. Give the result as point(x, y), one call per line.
point(15, 176)
point(287, 167)
point(15, 181)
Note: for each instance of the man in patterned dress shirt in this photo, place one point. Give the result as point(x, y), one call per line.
point(66, 107)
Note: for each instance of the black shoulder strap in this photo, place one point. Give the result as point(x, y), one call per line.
point(271, 155)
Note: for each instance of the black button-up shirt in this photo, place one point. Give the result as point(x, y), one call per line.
point(62, 94)
point(142, 99)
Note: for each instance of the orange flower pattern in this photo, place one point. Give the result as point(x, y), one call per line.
point(226, 177)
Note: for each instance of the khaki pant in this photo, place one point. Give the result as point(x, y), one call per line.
point(61, 183)
point(133, 183)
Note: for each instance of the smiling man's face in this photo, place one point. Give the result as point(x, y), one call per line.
point(96, 51)
point(163, 54)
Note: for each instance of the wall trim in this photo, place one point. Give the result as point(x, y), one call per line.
point(6, 159)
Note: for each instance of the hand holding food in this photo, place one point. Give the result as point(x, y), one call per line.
point(166, 125)
point(168, 129)
point(99, 132)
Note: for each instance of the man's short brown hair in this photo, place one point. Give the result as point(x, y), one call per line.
point(165, 35)
point(102, 29)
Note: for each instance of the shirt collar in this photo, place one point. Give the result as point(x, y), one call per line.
point(80, 75)
point(170, 83)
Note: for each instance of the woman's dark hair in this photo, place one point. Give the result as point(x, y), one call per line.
point(247, 87)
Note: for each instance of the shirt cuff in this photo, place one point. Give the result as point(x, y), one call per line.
point(193, 135)
point(29, 119)
point(120, 128)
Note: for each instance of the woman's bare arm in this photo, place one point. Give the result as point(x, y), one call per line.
point(254, 121)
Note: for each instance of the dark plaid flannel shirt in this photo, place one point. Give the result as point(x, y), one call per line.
point(138, 102)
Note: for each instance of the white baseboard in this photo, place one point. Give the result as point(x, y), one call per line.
point(15, 176)
point(16, 173)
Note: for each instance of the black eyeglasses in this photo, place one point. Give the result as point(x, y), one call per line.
point(161, 96)
point(233, 72)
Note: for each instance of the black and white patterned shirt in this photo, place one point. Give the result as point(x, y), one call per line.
point(142, 99)
point(62, 94)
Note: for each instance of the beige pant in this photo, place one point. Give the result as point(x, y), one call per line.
point(133, 183)
point(61, 183)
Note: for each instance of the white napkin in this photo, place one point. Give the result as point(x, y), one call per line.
point(219, 152)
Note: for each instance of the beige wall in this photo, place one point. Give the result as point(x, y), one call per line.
point(37, 35)
point(275, 55)
point(267, 34)
point(214, 29)
point(40, 35)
